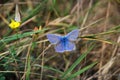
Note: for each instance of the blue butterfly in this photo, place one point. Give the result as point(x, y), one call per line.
point(64, 43)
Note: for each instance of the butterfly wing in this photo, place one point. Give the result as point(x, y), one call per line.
point(53, 38)
point(69, 46)
point(60, 47)
point(72, 36)
point(64, 45)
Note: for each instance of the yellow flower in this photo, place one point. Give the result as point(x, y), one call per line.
point(14, 24)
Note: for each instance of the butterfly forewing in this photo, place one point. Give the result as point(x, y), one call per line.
point(17, 14)
point(72, 36)
point(53, 38)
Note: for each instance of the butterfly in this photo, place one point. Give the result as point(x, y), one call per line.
point(64, 43)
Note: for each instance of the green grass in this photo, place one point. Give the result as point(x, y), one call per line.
point(68, 71)
point(29, 55)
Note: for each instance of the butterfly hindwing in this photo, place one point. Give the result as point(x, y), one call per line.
point(60, 47)
point(72, 36)
point(53, 38)
point(69, 46)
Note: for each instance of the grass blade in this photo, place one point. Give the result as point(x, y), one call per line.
point(19, 36)
point(77, 62)
point(34, 11)
point(81, 71)
point(50, 68)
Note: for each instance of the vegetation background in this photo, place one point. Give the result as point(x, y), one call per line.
point(26, 54)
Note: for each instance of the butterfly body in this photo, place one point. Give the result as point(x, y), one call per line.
point(64, 43)
point(64, 40)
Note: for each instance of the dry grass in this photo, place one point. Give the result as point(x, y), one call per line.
point(34, 52)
